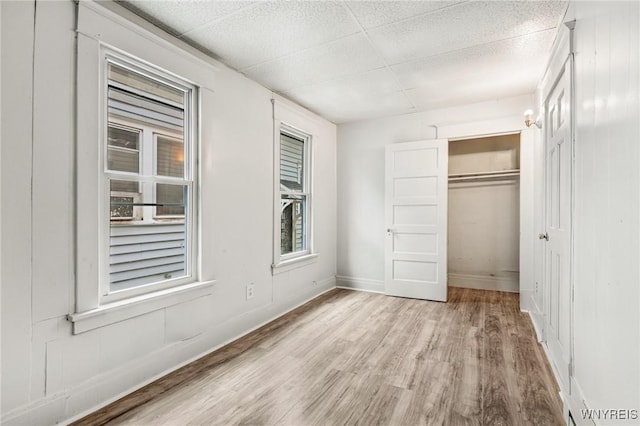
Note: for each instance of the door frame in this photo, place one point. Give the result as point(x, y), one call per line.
point(562, 55)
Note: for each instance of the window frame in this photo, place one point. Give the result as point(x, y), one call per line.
point(101, 28)
point(294, 258)
point(123, 61)
point(149, 138)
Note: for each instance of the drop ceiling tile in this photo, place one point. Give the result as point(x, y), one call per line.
point(375, 13)
point(366, 107)
point(369, 94)
point(465, 94)
point(346, 56)
point(271, 30)
point(462, 26)
point(183, 16)
point(504, 68)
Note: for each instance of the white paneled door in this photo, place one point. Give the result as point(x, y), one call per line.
point(558, 152)
point(416, 219)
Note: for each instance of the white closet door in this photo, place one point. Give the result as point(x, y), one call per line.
point(558, 222)
point(416, 219)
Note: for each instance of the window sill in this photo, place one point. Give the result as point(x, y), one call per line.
point(296, 262)
point(125, 309)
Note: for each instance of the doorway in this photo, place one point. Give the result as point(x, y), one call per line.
point(452, 216)
point(484, 213)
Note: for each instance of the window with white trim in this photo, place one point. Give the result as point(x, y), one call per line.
point(295, 193)
point(148, 179)
point(139, 98)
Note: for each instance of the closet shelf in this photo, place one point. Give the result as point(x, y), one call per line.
point(484, 175)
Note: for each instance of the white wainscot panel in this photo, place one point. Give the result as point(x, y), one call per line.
point(77, 358)
point(187, 320)
point(131, 339)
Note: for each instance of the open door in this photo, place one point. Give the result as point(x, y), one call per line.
point(416, 219)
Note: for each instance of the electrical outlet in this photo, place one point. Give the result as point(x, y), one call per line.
point(250, 290)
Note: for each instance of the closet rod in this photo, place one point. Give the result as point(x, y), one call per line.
point(483, 176)
point(479, 174)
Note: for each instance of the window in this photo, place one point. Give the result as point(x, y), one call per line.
point(148, 179)
point(294, 193)
point(139, 99)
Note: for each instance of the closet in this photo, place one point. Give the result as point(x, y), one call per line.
point(484, 213)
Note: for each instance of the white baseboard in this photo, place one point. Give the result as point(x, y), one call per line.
point(528, 306)
point(563, 394)
point(536, 320)
point(507, 282)
point(364, 284)
point(576, 403)
point(573, 402)
point(62, 406)
point(526, 300)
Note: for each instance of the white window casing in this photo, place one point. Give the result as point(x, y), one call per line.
point(293, 186)
point(103, 38)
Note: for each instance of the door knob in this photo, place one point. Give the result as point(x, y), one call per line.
point(389, 230)
point(543, 236)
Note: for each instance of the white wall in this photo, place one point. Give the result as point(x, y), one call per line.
point(361, 232)
point(607, 178)
point(48, 374)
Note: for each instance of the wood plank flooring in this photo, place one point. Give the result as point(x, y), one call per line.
point(350, 357)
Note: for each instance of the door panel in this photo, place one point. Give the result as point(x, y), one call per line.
point(409, 243)
point(416, 219)
point(410, 187)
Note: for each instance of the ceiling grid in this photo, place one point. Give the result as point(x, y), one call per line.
point(353, 60)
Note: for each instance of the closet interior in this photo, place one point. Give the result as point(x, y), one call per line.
point(484, 213)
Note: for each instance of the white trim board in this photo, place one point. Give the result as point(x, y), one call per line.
point(575, 405)
point(528, 306)
point(509, 282)
point(481, 282)
point(364, 284)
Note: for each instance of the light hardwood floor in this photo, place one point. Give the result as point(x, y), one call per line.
point(351, 357)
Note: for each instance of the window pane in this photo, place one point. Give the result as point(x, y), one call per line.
point(124, 196)
point(170, 199)
point(136, 82)
point(291, 163)
point(169, 157)
point(123, 153)
point(124, 186)
point(121, 207)
point(135, 98)
point(148, 240)
point(123, 160)
point(141, 254)
point(292, 226)
point(124, 138)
